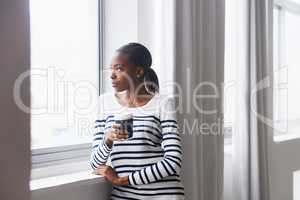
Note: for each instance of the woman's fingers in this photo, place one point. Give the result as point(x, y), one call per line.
point(116, 126)
point(95, 172)
point(121, 135)
point(101, 169)
point(118, 132)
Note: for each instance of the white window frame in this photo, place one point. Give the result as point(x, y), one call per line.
point(67, 159)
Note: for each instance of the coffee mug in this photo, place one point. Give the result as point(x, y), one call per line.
point(126, 122)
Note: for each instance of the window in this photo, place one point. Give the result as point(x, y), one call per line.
point(66, 60)
point(230, 70)
point(286, 48)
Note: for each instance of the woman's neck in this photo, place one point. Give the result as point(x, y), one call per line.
point(135, 98)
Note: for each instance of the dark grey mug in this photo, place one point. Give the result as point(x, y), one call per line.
point(126, 122)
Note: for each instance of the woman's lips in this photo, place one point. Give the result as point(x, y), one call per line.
point(114, 84)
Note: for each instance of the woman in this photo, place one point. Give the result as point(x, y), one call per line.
point(146, 165)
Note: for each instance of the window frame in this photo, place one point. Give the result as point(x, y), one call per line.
point(283, 6)
point(43, 158)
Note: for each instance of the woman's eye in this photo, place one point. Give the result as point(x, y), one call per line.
point(119, 68)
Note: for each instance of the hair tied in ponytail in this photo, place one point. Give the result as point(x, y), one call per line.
point(151, 80)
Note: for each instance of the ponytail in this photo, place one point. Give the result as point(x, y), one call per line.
point(151, 80)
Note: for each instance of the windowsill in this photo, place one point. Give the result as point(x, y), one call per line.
point(285, 137)
point(84, 177)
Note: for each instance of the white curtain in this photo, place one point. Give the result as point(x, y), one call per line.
point(199, 59)
point(254, 102)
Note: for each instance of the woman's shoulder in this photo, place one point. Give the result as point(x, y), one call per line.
point(167, 106)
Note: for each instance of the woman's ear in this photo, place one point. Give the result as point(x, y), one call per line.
point(140, 72)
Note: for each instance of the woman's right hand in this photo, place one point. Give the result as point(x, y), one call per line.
point(115, 134)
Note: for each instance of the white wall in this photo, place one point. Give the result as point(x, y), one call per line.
point(156, 25)
point(120, 27)
point(14, 136)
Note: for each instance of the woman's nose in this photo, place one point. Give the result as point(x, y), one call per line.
point(112, 76)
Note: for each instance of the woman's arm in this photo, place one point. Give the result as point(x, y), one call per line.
point(101, 150)
point(111, 175)
point(103, 142)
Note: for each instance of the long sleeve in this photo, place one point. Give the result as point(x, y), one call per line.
point(171, 146)
point(100, 151)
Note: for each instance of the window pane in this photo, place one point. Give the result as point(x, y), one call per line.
point(280, 89)
point(64, 64)
point(287, 69)
point(293, 65)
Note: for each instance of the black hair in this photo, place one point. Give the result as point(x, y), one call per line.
point(140, 56)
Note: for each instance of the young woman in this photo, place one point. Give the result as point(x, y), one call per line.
point(146, 165)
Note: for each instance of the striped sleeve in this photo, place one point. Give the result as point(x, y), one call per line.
point(100, 151)
point(171, 145)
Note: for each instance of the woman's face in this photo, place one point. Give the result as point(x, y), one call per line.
point(123, 73)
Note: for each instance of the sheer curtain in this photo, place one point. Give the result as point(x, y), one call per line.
point(199, 59)
point(254, 108)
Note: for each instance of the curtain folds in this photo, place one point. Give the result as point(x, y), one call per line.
point(199, 59)
point(254, 108)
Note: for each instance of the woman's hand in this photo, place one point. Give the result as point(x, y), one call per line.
point(115, 134)
point(110, 175)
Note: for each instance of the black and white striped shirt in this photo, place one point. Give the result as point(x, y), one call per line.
point(151, 158)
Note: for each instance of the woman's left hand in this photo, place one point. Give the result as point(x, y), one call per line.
point(110, 175)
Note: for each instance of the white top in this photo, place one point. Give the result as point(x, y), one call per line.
point(123, 116)
point(151, 158)
point(110, 105)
